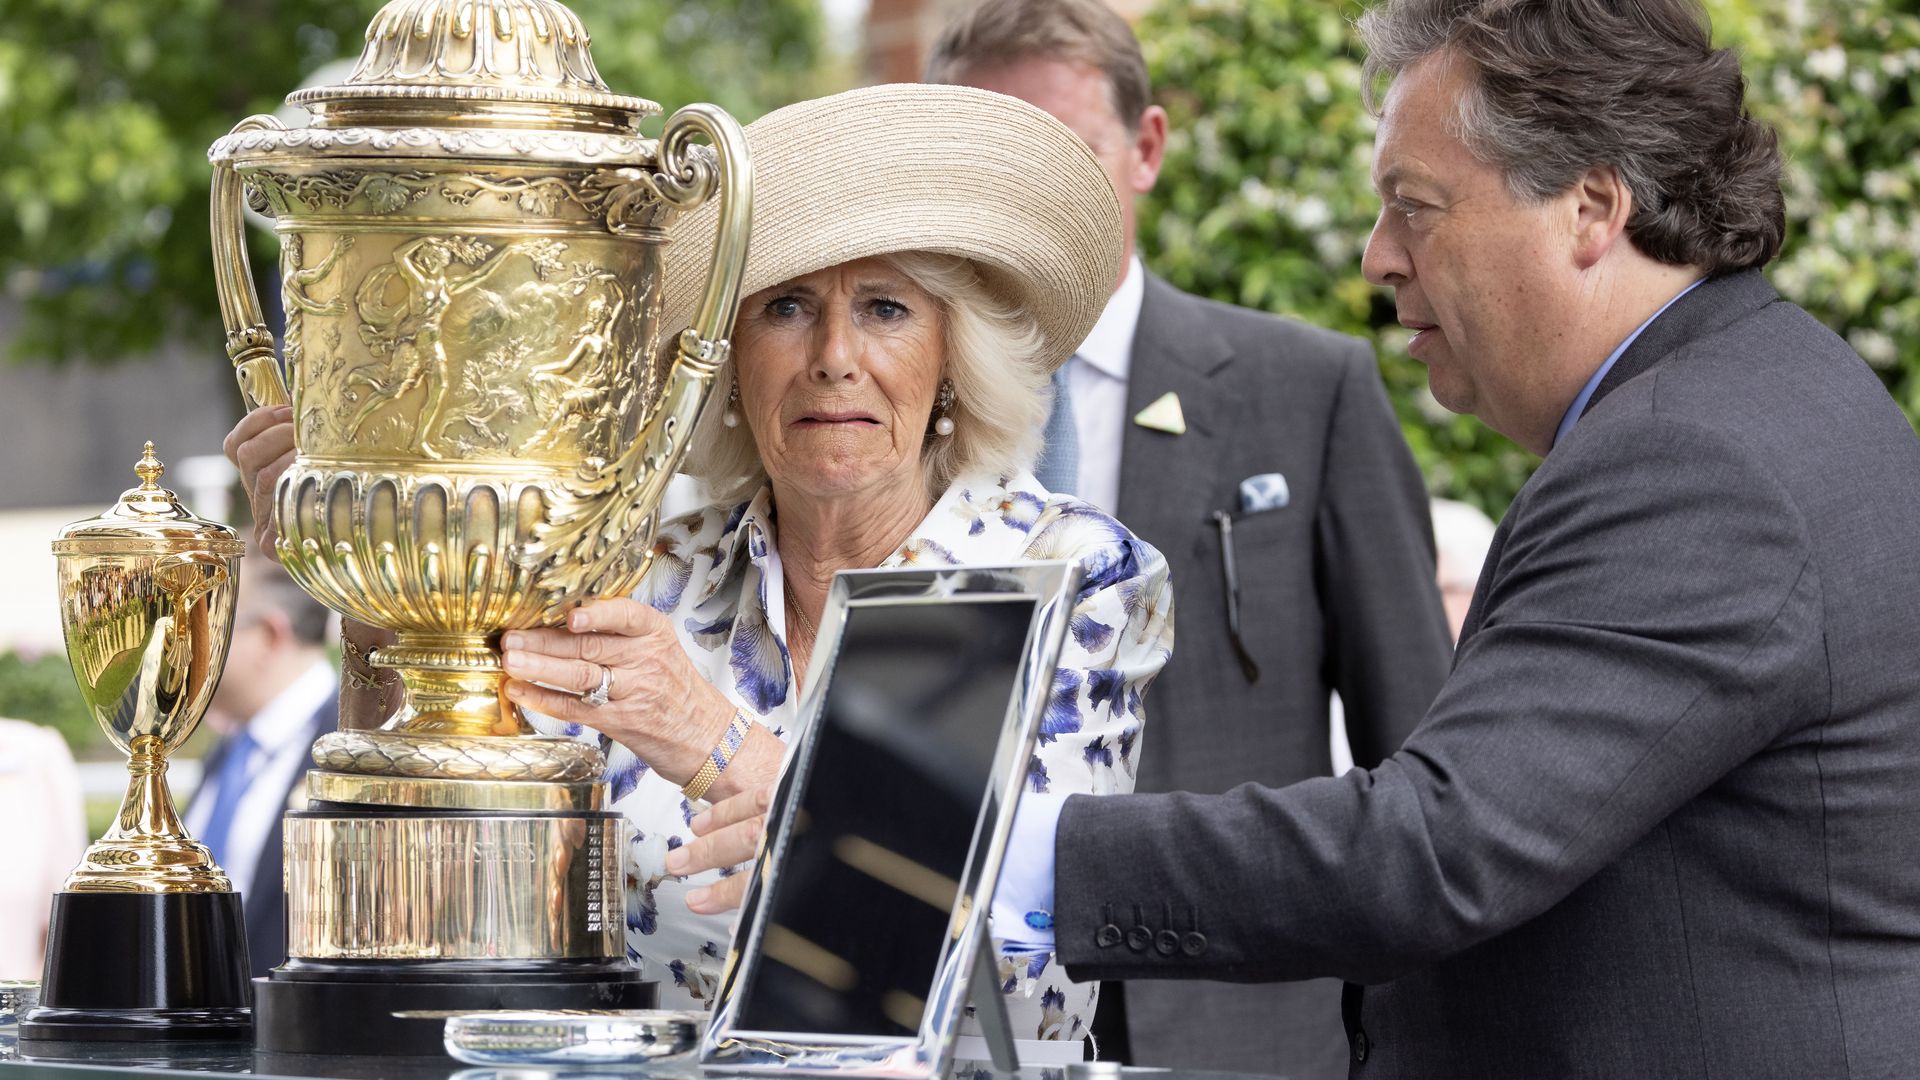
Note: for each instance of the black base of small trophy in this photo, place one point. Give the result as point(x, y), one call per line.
point(128, 966)
point(349, 1006)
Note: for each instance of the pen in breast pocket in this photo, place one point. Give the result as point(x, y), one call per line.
point(1224, 521)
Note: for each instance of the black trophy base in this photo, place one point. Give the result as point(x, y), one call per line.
point(142, 967)
point(349, 1007)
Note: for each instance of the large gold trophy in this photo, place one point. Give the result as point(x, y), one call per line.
point(472, 236)
point(146, 940)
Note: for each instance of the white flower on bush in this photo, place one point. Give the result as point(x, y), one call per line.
point(1312, 213)
point(1829, 63)
point(1874, 347)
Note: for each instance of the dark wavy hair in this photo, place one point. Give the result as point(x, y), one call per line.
point(1560, 86)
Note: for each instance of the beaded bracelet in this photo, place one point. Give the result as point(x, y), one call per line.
point(719, 757)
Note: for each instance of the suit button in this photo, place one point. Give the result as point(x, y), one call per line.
point(1362, 1046)
point(1107, 936)
point(1139, 938)
point(1166, 943)
point(1193, 943)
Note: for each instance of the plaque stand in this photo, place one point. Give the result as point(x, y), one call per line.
point(990, 1009)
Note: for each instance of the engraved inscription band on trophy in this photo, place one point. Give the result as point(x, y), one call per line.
point(447, 888)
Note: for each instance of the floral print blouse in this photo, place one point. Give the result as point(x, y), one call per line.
point(717, 574)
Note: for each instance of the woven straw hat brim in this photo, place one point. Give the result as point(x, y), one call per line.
point(909, 167)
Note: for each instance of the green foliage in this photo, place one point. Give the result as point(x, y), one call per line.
point(42, 690)
point(1840, 81)
point(1266, 200)
point(107, 108)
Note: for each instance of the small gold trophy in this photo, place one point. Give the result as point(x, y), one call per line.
point(488, 404)
point(146, 939)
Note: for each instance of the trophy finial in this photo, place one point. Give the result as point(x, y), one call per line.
point(475, 58)
point(149, 469)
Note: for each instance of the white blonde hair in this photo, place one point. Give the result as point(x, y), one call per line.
point(1000, 392)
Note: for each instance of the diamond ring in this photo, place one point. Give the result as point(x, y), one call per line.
point(598, 696)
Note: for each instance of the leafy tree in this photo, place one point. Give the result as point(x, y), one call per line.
point(1266, 199)
point(107, 108)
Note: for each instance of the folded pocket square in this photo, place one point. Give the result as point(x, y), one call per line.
point(1268, 491)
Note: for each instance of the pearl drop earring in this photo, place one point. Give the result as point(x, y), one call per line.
point(944, 425)
point(731, 417)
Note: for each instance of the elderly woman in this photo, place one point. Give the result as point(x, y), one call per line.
point(923, 258)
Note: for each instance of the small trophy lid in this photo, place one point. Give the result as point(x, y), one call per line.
point(148, 516)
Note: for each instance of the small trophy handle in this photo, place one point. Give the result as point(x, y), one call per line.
point(686, 180)
point(249, 342)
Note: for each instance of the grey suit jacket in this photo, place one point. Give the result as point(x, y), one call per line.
point(1336, 593)
point(1663, 820)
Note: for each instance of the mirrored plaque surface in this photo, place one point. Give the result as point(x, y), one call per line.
point(858, 936)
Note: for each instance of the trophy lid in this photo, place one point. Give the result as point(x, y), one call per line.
point(147, 518)
point(475, 63)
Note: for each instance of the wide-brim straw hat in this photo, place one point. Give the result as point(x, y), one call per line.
point(910, 167)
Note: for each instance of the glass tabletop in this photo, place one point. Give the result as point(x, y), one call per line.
point(101, 1060)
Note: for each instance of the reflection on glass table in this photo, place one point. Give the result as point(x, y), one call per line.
point(108, 1061)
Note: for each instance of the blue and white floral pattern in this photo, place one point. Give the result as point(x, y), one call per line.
point(716, 573)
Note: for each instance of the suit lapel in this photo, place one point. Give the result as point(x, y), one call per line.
point(1164, 491)
point(1716, 303)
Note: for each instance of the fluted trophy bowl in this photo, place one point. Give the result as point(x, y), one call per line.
point(472, 245)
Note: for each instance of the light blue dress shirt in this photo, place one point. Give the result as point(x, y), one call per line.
point(1593, 383)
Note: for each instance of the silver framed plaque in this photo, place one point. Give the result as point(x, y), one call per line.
point(865, 925)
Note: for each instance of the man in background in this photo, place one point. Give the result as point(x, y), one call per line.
point(277, 694)
point(1261, 457)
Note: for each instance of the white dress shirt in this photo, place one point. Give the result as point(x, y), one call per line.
point(280, 751)
point(1097, 379)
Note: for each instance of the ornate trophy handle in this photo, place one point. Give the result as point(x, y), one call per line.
point(686, 180)
point(598, 520)
point(249, 342)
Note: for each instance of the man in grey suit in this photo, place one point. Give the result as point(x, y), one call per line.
point(1662, 820)
point(1331, 586)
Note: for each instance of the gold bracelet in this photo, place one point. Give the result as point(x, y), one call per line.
point(719, 757)
point(367, 678)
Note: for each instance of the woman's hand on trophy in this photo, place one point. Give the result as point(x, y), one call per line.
point(727, 834)
point(623, 655)
point(261, 447)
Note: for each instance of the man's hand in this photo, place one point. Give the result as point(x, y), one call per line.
point(727, 834)
point(261, 447)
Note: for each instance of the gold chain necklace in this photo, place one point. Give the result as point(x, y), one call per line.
point(793, 602)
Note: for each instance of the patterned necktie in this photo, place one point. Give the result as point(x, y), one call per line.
point(1059, 467)
point(229, 785)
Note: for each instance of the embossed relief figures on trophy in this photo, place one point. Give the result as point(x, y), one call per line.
point(404, 332)
point(299, 288)
point(474, 348)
